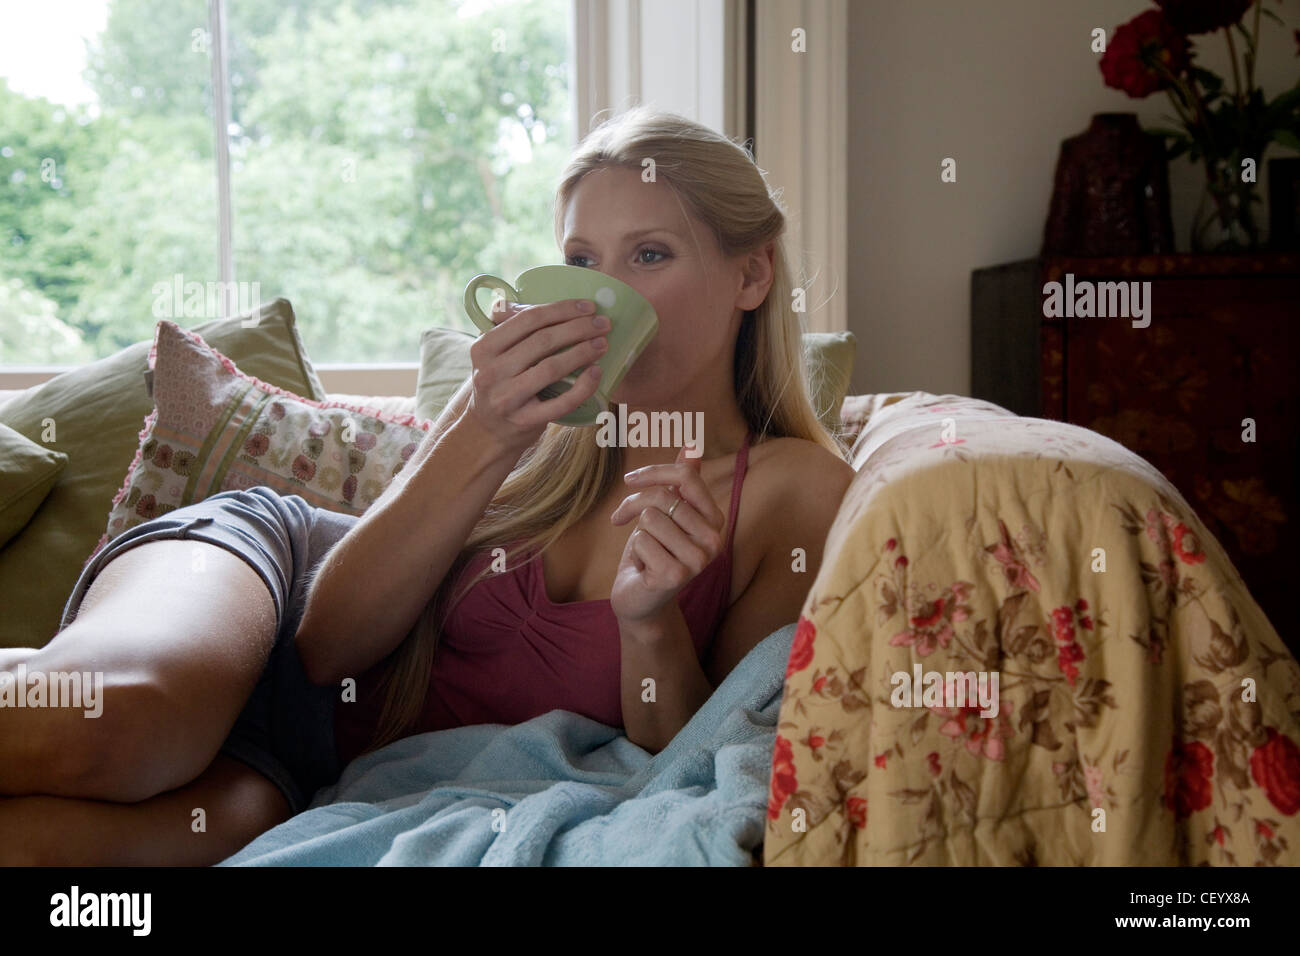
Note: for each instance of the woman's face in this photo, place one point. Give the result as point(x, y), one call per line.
point(637, 232)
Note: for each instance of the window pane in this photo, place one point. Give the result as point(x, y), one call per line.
point(383, 153)
point(107, 178)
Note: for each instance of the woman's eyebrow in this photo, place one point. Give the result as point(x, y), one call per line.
point(631, 235)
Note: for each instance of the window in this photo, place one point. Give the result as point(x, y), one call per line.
point(381, 152)
point(106, 173)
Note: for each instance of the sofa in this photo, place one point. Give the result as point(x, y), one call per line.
point(1141, 709)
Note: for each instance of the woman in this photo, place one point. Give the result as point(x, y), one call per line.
point(547, 571)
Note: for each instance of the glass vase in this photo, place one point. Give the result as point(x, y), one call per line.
point(1224, 223)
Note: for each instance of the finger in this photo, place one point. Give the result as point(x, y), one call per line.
point(552, 341)
point(656, 559)
point(684, 515)
point(689, 455)
point(538, 411)
point(674, 539)
point(688, 483)
point(548, 371)
point(528, 319)
point(502, 309)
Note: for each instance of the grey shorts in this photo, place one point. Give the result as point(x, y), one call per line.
point(286, 729)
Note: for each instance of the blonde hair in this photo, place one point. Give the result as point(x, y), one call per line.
point(565, 474)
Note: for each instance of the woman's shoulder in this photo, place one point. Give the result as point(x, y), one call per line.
point(798, 474)
point(799, 459)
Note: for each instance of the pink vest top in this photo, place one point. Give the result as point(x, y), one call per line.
point(509, 653)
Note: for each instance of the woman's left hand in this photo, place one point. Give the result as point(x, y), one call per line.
point(664, 553)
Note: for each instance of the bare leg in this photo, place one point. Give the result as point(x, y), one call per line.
point(181, 644)
point(238, 803)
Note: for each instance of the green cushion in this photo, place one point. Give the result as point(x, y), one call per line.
point(444, 365)
point(97, 411)
point(830, 366)
point(27, 473)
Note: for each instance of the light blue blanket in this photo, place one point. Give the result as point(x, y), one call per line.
point(559, 790)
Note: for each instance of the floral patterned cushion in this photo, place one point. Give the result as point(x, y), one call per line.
point(213, 429)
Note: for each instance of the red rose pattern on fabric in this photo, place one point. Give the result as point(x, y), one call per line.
point(801, 650)
point(1189, 769)
point(784, 781)
point(1275, 767)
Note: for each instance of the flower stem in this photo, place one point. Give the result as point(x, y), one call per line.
point(1236, 74)
point(1193, 98)
point(1254, 55)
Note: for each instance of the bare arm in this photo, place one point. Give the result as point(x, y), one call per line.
point(404, 544)
point(401, 549)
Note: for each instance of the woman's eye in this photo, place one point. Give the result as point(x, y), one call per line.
point(573, 260)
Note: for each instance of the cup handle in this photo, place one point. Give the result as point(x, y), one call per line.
point(476, 314)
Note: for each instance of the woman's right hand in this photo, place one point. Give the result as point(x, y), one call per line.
point(513, 362)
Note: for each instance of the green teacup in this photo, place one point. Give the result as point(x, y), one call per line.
point(633, 323)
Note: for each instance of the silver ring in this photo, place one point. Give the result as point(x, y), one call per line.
point(674, 507)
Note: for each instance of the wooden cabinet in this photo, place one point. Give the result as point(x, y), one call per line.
point(1222, 346)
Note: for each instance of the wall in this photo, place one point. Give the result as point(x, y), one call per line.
point(995, 84)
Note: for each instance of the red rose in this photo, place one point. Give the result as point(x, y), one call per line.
point(901, 562)
point(801, 651)
point(1188, 770)
point(857, 810)
point(1202, 16)
point(881, 758)
point(1147, 35)
point(1275, 765)
point(936, 767)
point(783, 777)
point(1188, 555)
point(1264, 829)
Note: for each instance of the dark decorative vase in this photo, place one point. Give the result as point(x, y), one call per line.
point(1111, 196)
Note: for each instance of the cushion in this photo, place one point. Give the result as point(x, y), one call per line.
point(96, 410)
point(215, 428)
point(395, 405)
point(445, 364)
point(27, 473)
point(830, 366)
